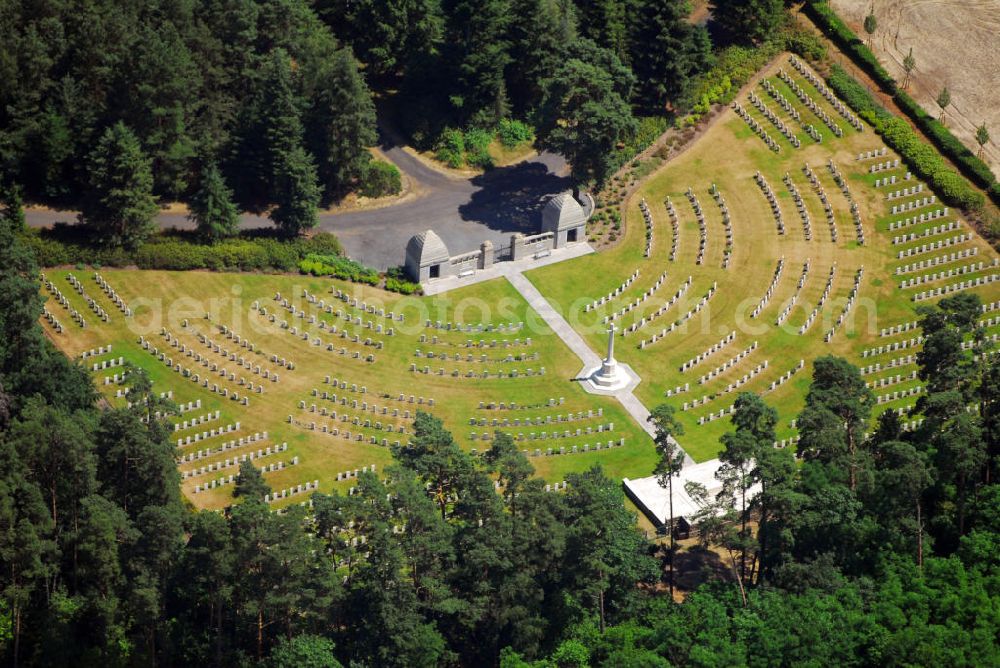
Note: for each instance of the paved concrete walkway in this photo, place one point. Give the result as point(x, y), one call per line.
point(591, 360)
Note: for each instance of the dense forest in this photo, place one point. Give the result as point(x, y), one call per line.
point(271, 103)
point(870, 549)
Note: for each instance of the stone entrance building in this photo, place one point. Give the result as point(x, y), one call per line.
point(564, 222)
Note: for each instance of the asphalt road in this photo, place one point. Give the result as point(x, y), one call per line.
point(464, 212)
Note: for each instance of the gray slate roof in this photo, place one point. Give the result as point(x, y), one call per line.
point(562, 212)
point(427, 248)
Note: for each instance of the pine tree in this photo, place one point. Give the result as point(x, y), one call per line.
point(909, 64)
point(871, 24)
point(250, 483)
point(120, 206)
point(296, 193)
point(477, 50)
point(751, 21)
point(666, 51)
point(669, 465)
point(982, 138)
point(212, 208)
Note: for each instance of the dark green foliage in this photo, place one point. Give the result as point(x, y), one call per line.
point(512, 132)
point(338, 267)
point(296, 193)
point(749, 21)
point(380, 179)
point(667, 51)
point(234, 83)
point(584, 114)
point(119, 205)
point(212, 207)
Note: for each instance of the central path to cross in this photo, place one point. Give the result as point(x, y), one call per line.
point(590, 359)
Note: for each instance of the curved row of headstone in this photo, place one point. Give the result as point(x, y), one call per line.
point(771, 199)
point(74, 315)
point(638, 301)
point(52, 320)
point(790, 109)
point(471, 343)
point(913, 204)
point(924, 217)
point(822, 300)
point(611, 295)
point(888, 381)
point(472, 374)
point(537, 420)
point(212, 367)
point(938, 260)
point(800, 205)
point(323, 326)
point(899, 329)
point(347, 475)
point(702, 227)
point(501, 327)
point(821, 193)
point(727, 223)
point(354, 302)
point(939, 275)
point(747, 377)
point(894, 363)
point(957, 287)
point(807, 100)
point(770, 289)
point(234, 444)
point(675, 226)
point(234, 462)
point(363, 389)
point(361, 422)
point(898, 394)
point(482, 358)
point(728, 364)
point(232, 356)
point(756, 101)
point(112, 295)
point(684, 318)
point(787, 310)
point(714, 348)
point(859, 229)
point(841, 108)
point(647, 216)
point(343, 351)
point(851, 298)
point(935, 245)
point(521, 437)
point(572, 450)
point(660, 311)
point(785, 442)
point(91, 302)
point(514, 406)
point(756, 127)
point(785, 377)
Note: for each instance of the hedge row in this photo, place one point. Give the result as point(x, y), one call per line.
point(838, 31)
point(179, 251)
point(897, 133)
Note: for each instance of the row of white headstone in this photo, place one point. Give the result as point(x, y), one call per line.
point(728, 364)
point(790, 304)
point(938, 275)
point(934, 245)
point(957, 287)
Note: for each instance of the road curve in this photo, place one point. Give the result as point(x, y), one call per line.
point(463, 211)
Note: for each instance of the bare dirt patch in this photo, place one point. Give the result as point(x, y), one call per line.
point(955, 44)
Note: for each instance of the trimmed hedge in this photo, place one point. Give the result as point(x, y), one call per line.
point(838, 31)
point(179, 251)
point(897, 133)
point(381, 178)
point(338, 267)
point(834, 27)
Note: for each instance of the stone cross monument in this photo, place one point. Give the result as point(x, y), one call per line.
point(610, 376)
